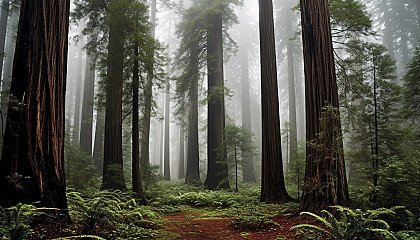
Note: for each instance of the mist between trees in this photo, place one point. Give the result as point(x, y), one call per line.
point(315, 101)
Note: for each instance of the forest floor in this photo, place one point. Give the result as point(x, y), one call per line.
point(195, 225)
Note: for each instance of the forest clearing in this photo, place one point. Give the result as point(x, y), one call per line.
point(210, 119)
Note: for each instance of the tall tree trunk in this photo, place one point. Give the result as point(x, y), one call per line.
point(273, 189)
point(136, 176)
point(3, 99)
point(193, 155)
point(181, 165)
point(3, 29)
point(217, 169)
point(388, 37)
point(77, 100)
point(113, 177)
point(292, 102)
point(7, 73)
point(34, 136)
point(167, 165)
point(375, 151)
point(162, 126)
point(325, 175)
point(87, 107)
point(98, 149)
point(145, 120)
point(249, 172)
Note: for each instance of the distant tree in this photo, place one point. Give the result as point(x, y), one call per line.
point(32, 167)
point(325, 176)
point(181, 164)
point(78, 97)
point(87, 107)
point(190, 61)
point(98, 148)
point(249, 172)
point(273, 189)
point(167, 163)
point(412, 85)
point(147, 103)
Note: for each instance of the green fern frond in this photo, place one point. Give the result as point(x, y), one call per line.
point(319, 218)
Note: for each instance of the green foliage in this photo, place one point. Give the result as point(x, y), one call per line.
point(236, 145)
point(295, 175)
point(412, 86)
point(81, 174)
point(102, 210)
point(15, 221)
point(176, 194)
point(353, 224)
point(251, 217)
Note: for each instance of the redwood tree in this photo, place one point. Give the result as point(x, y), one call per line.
point(32, 163)
point(113, 177)
point(325, 176)
point(217, 169)
point(273, 189)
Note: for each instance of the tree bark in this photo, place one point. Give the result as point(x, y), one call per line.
point(249, 172)
point(325, 176)
point(77, 100)
point(98, 149)
point(181, 166)
point(148, 93)
point(3, 99)
point(193, 155)
point(136, 176)
point(167, 164)
point(113, 177)
point(87, 107)
point(217, 169)
point(273, 188)
point(34, 136)
point(292, 102)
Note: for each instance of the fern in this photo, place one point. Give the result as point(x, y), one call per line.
point(15, 221)
point(352, 225)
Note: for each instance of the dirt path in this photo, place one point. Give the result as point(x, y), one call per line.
point(197, 225)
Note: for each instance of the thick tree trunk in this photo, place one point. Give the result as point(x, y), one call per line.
point(181, 166)
point(167, 164)
point(87, 107)
point(273, 189)
point(98, 149)
point(113, 177)
point(325, 176)
point(34, 137)
point(77, 100)
point(136, 176)
point(217, 169)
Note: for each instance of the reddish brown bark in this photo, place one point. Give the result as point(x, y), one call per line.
point(113, 177)
point(273, 189)
point(217, 169)
point(34, 137)
point(325, 176)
